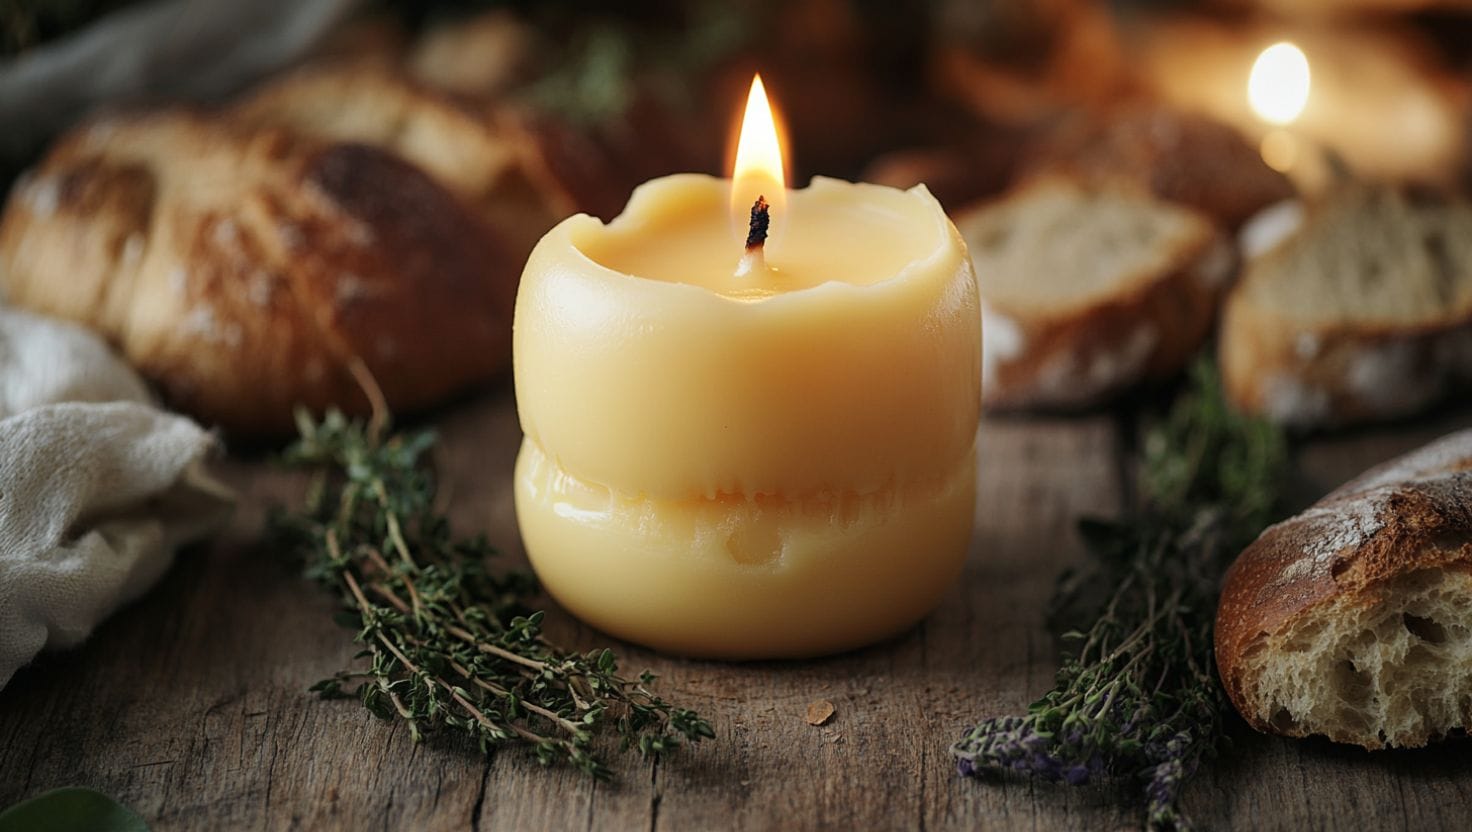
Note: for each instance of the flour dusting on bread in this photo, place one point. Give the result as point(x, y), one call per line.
point(252, 296)
point(1353, 620)
point(1088, 291)
point(1001, 340)
point(1357, 309)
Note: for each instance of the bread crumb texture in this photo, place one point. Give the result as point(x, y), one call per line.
point(1356, 310)
point(1392, 667)
point(1353, 620)
point(1088, 291)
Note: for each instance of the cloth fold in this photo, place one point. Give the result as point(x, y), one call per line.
point(97, 486)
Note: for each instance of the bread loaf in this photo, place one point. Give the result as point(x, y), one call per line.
point(1364, 313)
point(1087, 292)
point(481, 154)
point(1177, 156)
point(244, 268)
point(1354, 619)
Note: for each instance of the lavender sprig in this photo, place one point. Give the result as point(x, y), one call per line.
point(1136, 698)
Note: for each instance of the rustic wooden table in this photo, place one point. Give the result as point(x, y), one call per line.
point(191, 705)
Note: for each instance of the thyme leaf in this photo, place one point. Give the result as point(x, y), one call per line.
point(1137, 697)
point(448, 646)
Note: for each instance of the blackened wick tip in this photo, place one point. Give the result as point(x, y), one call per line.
point(761, 218)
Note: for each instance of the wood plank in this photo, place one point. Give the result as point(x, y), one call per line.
point(191, 707)
point(882, 762)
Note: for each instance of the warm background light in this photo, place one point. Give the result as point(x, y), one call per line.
point(1279, 84)
point(1367, 93)
point(1279, 150)
point(758, 169)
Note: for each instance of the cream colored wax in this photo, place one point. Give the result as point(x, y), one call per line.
point(776, 464)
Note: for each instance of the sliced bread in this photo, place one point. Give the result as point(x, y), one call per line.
point(1363, 313)
point(1353, 620)
point(1086, 292)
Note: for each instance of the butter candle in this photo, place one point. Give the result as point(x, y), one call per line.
point(749, 453)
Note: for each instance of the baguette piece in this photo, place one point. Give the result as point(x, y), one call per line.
point(1363, 314)
point(1354, 619)
point(1086, 292)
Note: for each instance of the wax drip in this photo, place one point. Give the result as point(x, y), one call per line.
point(756, 238)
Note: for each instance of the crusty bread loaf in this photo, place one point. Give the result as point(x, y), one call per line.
point(522, 167)
point(1088, 292)
point(1354, 619)
point(244, 268)
point(1363, 313)
point(480, 153)
point(1177, 156)
point(374, 206)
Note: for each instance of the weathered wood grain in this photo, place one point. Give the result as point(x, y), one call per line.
point(191, 707)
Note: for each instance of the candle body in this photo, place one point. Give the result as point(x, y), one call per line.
point(775, 465)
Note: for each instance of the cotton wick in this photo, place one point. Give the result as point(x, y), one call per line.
point(756, 237)
point(761, 218)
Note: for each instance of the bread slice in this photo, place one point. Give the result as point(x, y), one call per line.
point(1354, 619)
point(1364, 313)
point(1087, 292)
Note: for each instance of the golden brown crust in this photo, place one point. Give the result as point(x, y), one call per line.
point(1335, 375)
point(1150, 335)
point(1178, 157)
point(522, 169)
point(1410, 514)
point(1079, 357)
point(592, 168)
point(1332, 373)
point(243, 268)
point(474, 148)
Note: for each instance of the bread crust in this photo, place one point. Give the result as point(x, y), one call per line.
point(475, 147)
point(1080, 355)
point(1176, 156)
point(243, 269)
point(1411, 514)
point(1337, 374)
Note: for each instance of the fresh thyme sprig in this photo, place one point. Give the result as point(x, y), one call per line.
point(1137, 695)
point(449, 645)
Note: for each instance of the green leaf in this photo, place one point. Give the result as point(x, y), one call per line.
point(71, 809)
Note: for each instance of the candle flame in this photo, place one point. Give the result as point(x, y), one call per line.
point(758, 169)
point(1279, 84)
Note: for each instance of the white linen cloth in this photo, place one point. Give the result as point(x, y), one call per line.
point(97, 486)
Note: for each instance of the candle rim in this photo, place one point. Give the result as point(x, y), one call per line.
point(948, 241)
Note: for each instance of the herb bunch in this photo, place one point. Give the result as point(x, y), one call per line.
point(1137, 696)
point(448, 645)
